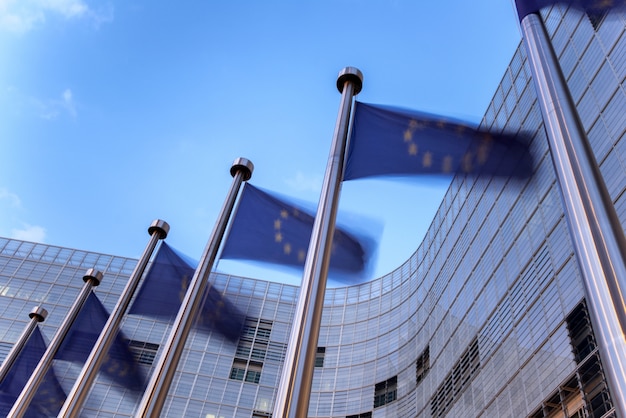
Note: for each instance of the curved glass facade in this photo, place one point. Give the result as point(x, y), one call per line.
point(486, 319)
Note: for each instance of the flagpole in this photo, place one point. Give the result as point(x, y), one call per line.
point(593, 223)
point(91, 278)
point(158, 230)
point(37, 314)
point(294, 390)
point(154, 397)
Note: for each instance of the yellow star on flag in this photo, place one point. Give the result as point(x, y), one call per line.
point(427, 161)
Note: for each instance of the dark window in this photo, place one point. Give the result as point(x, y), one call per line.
point(385, 392)
point(580, 332)
point(422, 365)
point(249, 330)
point(253, 376)
point(254, 372)
point(253, 348)
point(238, 370)
point(264, 330)
point(259, 351)
point(594, 387)
point(144, 352)
point(585, 393)
point(244, 347)
point(319, 357)
point(237, 373)
point(456, 381)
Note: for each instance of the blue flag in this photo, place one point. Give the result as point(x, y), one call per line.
point(219, 314)
point(164, 288)
point(49, 398)
point(392, 141)
point(120, 364)
point(266, 228)
point(526, 7)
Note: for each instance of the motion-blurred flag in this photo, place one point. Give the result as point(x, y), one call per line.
point(265, 228)
point(49, 398)
point(219, 314)
point(120, 365)
point(164, 288)
point(392, 141)
point(526, 7)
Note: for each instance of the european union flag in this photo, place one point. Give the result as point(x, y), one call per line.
point(266, 228)
point(391, 141)
point(219, 314)
point(120, 365)
point(164, 288)
point(526, 7)
point(49, 398)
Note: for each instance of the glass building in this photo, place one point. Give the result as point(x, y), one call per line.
point(486, 319)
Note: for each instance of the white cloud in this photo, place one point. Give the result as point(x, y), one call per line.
point(68, 8)
point(12, 198)
point(29, 233)
point(11, 206)
point(20, 16)
point(303, 183)
point(68, 102)
point(51, 109)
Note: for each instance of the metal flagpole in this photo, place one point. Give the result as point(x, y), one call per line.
point(37, 314)
point(593, 223)
point(295, 385)
point(91, 278)
point(71, 408)
point(153, 399)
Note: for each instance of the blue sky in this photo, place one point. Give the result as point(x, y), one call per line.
point(114, 113)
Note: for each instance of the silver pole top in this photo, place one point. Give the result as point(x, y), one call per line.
point(350, 74)
point(38, 313)
point(94, 275)
point(159, 226)
point(244, 165)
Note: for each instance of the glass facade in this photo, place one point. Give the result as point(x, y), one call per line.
point(487, 317)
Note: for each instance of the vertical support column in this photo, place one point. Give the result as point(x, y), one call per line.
point(153, 399)
point(91, 278)
point(294, 390)
point(37, 314)
point(594, 226)
point(158, 230)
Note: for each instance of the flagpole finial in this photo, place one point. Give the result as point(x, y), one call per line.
point(38, 313)
point(159, 226)
point(352, 74)
point(244, 165)
point(94, 276)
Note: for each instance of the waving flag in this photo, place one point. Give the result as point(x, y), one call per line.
point(393, 141)
point(266, 228)
point(120, 365)
point(49, 398)
point(164, 288)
